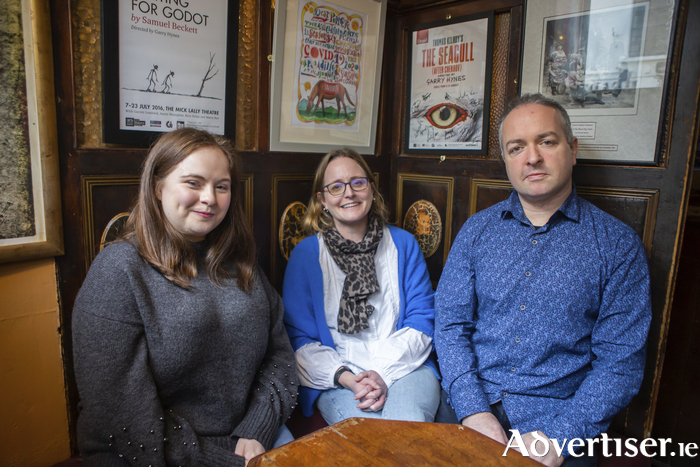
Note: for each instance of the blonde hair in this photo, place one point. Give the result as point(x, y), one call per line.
point(316, 219)
point(230, 246)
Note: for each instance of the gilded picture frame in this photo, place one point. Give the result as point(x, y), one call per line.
point(36, 231)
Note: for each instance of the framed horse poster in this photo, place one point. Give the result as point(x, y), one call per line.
point(325, 75)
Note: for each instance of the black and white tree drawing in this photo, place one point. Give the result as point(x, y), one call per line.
point(206, 78)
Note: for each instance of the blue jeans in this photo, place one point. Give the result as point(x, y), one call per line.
point(413, 398)
point(445, 413)
point(284, 436)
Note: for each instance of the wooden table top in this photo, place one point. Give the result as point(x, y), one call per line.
point(373, 442)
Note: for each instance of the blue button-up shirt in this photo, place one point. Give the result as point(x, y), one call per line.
point(550, 320)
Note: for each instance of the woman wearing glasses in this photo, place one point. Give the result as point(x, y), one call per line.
point(359, 304)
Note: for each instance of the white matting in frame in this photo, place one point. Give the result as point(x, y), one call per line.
point(289, 89)
point(605, 62)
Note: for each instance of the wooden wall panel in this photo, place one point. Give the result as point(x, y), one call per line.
point(678, 407)
point(439, 191)
point(104, 196)
point(286, 189)
point(634, 206)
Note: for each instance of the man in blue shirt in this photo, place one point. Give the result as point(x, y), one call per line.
point(543, 307)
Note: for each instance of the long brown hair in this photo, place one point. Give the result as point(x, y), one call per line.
point(315, 219)
point(230, 246)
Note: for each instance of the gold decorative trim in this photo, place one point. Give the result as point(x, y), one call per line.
point(43, 195)
point(650, 196)
point(291, 217)
point(276, 179)
point(110, 226)
point(89, 182)
point(449, 183)
point(484, 182)
point(499, 77)
point(246, 135)
point(247, 181)
point(86, 29)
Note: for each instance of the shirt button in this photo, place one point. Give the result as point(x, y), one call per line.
point(527, 273)
point(517, 339)
point(534, 242)
point(522, 307)
point(505, 394)
point(512, 368)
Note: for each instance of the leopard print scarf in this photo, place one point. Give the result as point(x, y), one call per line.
point(356, 260)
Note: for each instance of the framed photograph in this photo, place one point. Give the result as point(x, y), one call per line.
point(168, 65)
point(326, 71)
point(30, 193)
point(449, 86)
point(607, 66)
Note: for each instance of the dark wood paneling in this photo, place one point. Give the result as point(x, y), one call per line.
point(263, 166)
point(678, 407)
point(635, 207)
point(286, 189)
point(440, 192)
point(104, 196)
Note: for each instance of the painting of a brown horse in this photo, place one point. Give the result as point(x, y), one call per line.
point(327, 91)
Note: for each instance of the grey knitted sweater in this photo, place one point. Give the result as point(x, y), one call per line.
point(169, 376)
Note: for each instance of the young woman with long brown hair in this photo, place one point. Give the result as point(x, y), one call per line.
point(181, 356)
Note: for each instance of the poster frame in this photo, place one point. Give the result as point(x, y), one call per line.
point(488, 67)
point(43, 140)
point(111, 131)
point(643, 122)
point(323, 138)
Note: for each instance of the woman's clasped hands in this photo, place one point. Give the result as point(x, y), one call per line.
point(369, 388)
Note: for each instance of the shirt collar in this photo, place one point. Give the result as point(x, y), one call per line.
point(571, 208)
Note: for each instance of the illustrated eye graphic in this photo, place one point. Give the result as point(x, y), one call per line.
point(446, 115)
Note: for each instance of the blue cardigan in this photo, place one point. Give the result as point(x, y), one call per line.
point(304, 314)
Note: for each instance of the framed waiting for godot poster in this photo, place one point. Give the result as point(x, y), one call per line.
point(168, 65)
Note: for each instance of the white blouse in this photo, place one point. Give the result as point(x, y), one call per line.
point(391, 353)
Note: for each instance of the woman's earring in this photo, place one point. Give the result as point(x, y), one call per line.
point(326, 210)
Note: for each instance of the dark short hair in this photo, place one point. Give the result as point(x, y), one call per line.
point(538, 99)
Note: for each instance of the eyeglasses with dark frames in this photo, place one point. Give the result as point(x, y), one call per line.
point(356, 184)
